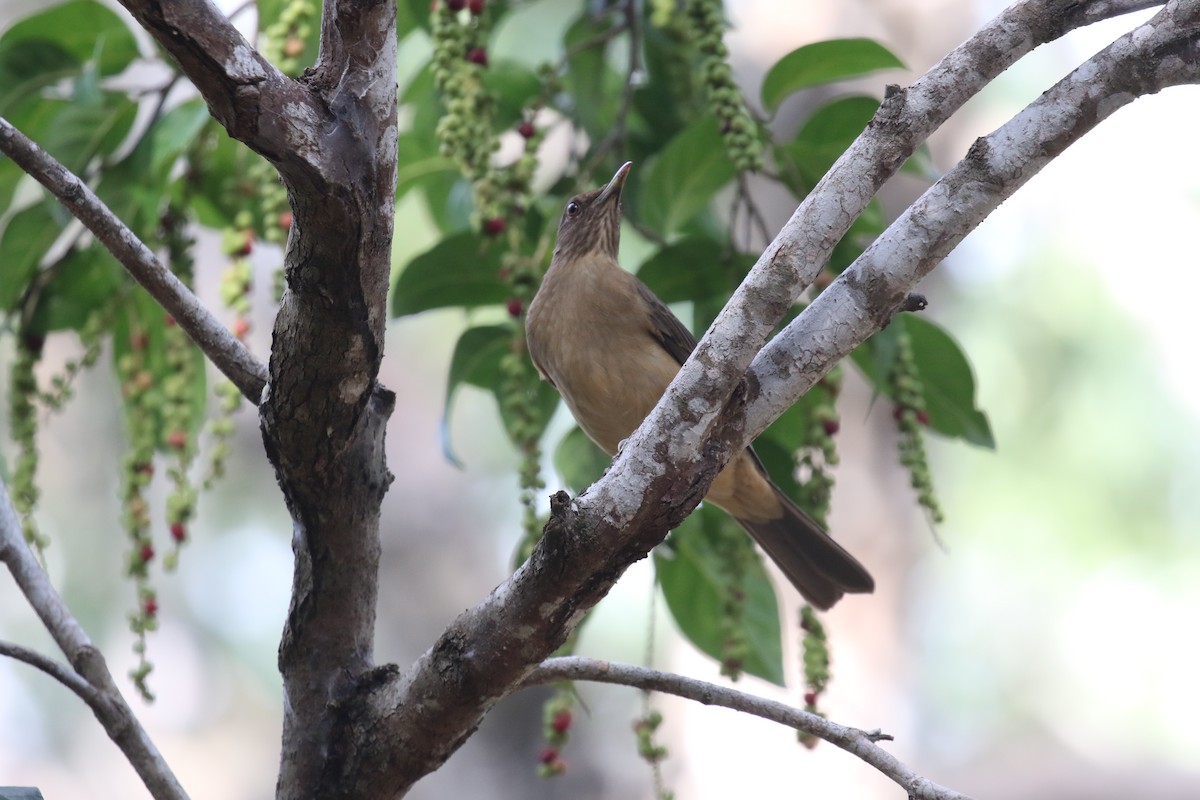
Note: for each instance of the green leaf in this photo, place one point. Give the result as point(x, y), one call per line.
point(692, 269)
point(825, 136)
point(173, 133)
point(949, 383)
point(23, 245)
point(683, 179)
point(824, 62)
point(83, 281)
point(590, 84)
point(411, 15)
point(689, 570)
point(476, 361)
point(579, 461)
point(944, 371)
point(513, 85)
point(83, 130)
point(458, 271)
point(418, 161)
point(82, 29)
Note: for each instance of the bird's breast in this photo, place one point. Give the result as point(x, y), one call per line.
point(589, 333)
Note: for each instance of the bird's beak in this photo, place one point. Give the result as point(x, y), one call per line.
point(613, 189)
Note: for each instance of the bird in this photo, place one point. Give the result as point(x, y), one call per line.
point(610, 347)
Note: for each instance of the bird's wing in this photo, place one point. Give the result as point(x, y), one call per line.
point(677, 340)
point(666, 328)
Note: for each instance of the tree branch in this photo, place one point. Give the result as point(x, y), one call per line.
point(91, 679)
point(1165, 51)
point(52, 668)
point(862, 744)
point(665, 467)
point(222, 348)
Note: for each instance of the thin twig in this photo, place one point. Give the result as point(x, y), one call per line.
point(227, 353)
point(616, 136)
point(862, 744)
point(102, 694)
point(54, 669)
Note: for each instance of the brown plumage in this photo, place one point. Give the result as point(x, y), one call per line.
point(610, 347)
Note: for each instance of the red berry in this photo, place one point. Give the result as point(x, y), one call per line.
point(150, 606)
point(285, 220)
point(147, 552)
point(494, 226)
point(922, 417)
point(810, 698)
point(456, 5)
point(247, 243)
point(178, 531)
point(514, 306)
point(561, 722)
point(548, 755)
point(477, 55)
point(475, 6)
point(177, 439)
point(831, 426)
point(169, 321)
point(527, 129)
point(241, 327)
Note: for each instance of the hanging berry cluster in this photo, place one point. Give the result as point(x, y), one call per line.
point(285, 39)
point(501, 196)
point(650, 751)
point(735, 555)
point(816, 666)
point(911, 419)
point(740, 133)
point(556, 730)
point(143, 404)
point(177, 388)
point(819, 454)
point(23, 422)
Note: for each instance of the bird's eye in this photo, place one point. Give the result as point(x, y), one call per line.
point(572, 208)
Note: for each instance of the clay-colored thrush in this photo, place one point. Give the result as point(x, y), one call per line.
point(611, 347)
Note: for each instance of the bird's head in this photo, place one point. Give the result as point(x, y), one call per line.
point(591, 222)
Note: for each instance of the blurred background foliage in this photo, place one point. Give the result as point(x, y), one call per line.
point(1045, 641)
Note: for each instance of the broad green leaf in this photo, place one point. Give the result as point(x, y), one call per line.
point(944, 371)
point(590, 85)
point(579, 461)
point(694, 268)
point(449, 199)
point(417, 161)
point(84, 129)
point(458, 271)
point(23, 244)
point(689, 570)
point(824, 137)
point(83, 29)
point(683, 179)
point(411, 15)
point(824, 62)
point(173, 133)
point(83, 282)
point(34, 117)
point(513, 85)
point(949, 383)
point(476, 361)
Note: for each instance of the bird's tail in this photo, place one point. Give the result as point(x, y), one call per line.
point(817, 566)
